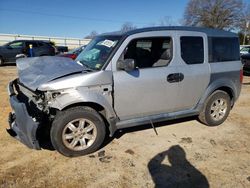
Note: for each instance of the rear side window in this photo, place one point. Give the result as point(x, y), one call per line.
point(192, 50)
point(223, 49)
point(40, 44)
point(44, 44)
point(34, 44)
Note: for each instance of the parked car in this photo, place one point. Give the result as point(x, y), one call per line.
point(62, 49)
point(245, 58)
point(245, 50)
point(9, 51)
point(123, 80)
point(72, 53)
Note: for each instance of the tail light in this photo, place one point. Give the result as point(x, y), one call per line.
point(73, 56)
point(241, 75)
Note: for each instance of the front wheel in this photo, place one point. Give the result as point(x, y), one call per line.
point(216, 109)
point(77, 131)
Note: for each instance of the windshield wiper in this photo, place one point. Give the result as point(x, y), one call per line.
point(87, 67)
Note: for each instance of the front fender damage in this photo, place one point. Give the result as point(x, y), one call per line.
point(101, 95)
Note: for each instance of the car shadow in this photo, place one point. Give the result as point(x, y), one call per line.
point(180, 173)
point(119, 133)
point(248, 83)
point(8, 65)
point(43, 136)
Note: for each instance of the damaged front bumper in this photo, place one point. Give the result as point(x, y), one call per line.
point(22, 125)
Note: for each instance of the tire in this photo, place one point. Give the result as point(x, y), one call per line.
point(77, 131)
point(1, 61)
point(216, 108)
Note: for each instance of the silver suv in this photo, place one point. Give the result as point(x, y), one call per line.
point(122, 80)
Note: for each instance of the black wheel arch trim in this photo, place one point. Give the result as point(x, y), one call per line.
point(221, 84)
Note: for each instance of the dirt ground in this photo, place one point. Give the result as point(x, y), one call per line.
point(184, 154)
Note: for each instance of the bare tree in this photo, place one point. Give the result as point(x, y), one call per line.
point(166, 21)
point(127, 27)
point(221, 14)
point(245, 19)
point(91, 35)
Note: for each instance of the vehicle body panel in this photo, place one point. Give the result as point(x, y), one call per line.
point(22, 124)
point(93, 94)
point(191, 88)
point(82, 79)
point(47, 67)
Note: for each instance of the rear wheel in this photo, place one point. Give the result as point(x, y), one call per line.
point(77, 131)
point(216, 109)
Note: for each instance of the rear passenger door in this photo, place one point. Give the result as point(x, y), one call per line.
point(193, 64)
point(35, 48)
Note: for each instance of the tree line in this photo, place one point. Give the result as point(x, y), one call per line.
point(230, 15)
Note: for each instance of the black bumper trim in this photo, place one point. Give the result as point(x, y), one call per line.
point(22, 125)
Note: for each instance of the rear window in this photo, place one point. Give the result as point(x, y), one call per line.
point(45, 43)
point(245, 49)
point(223, 49)
point(192, 50)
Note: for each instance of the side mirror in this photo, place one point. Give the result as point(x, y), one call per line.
point(126, 64)
point(9, 47)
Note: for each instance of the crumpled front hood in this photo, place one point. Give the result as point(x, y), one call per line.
point(33, 72)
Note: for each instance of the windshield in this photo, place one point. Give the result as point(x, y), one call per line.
point(97, 51)
point(245, 49)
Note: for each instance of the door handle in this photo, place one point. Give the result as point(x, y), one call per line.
point(175, 77)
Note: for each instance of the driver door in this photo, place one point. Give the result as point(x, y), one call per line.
point(13, 49)
point(147, 90)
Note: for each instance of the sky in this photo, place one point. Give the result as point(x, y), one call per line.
point(77, 18)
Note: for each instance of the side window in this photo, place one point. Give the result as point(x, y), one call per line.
point(34, 44)
point(16, 45)
point(150, 52)
point(223, 49)
point(40, 44)
point(245, 50)
point(192, 50)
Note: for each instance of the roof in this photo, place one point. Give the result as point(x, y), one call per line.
point(24, 40)
point(210, 32)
